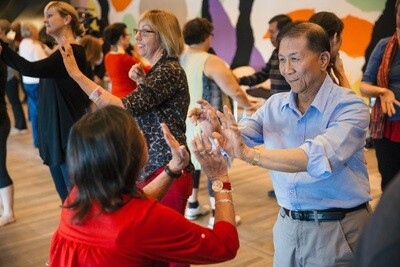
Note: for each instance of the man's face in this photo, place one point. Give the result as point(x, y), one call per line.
point(302, 68)
point(273, 32)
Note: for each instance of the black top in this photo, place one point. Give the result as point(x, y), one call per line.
point(3, 81)
point(61, 101)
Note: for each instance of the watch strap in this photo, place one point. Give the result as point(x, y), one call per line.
point(171, 174)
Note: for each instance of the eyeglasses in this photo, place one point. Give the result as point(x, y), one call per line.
point(143, 32)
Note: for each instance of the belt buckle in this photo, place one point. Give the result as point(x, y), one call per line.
point(290, 214)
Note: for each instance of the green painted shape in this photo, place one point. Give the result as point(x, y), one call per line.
point(368, 5)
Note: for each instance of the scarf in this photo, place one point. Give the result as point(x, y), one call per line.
point(378, 118)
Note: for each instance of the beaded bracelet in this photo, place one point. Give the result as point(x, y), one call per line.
point(225, 200)
point(96, 94)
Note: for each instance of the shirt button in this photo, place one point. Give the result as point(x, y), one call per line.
point(291, 191)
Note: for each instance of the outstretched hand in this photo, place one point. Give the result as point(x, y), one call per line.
point(180, 155)
point(206, 117)
point(213, 163)
point(229, 137)
point(388, 100)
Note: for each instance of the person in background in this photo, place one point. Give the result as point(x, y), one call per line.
point(381, 80)
point(271, 69)
point(61, 102)
point(378, 245)
point(106, 151)
point(117, 61)
point(334, 26)
point(209, 78)
point(314, 140)
point(6, 184)
point(12, 87)
point(93, 52)
point(31, 49)
point(162, 95)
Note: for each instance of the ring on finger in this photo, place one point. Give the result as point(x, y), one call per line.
point(202, 152)
point(209, 152)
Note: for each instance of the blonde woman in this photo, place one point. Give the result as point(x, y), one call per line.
point(61, 102)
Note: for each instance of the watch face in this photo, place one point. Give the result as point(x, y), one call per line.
point(217, 185)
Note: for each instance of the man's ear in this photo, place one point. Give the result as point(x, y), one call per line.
point(324, 57)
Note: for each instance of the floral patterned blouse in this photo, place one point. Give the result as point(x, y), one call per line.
point(162, 97)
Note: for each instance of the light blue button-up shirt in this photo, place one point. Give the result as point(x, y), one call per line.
point(332, 134)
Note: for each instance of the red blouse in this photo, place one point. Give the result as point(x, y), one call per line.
point(117, 67)
point(141, 233)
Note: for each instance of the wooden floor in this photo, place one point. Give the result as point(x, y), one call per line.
point(26, 242)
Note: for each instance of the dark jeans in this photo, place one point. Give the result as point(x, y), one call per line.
point(5, 179)
point(61, 180)
point(12, 92)
point(388, 156)
point(32, 91)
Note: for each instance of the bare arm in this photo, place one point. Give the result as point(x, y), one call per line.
point(214, 166)
point(387, 97)
point(230, 139)
point(180, 159)
point(216, 69)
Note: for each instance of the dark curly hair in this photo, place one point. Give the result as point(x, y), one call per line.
point(197, 30)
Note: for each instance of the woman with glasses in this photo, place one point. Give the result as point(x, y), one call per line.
point(117, 61)
point(162, 95)
point(61, 103)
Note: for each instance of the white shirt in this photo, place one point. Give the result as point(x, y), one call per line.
point(32, 51)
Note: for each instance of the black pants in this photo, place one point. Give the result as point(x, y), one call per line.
point(12, 92)
point(5, 179)
point(388, 156)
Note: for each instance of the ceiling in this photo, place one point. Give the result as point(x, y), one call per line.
point(22, 9)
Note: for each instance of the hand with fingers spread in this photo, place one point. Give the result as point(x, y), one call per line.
point(388, 102)
point(229, 137)
point(206, 116)
point(213, 163)
point(180, 155)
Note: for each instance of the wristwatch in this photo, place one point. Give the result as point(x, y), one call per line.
point(218, 186)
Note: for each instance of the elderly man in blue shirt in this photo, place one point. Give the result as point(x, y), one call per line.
point(313, 141)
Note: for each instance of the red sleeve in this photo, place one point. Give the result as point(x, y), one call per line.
point(179, 240)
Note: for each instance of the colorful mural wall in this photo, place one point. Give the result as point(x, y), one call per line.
point(240, 35)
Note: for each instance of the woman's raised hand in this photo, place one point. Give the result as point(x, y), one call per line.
point(180, 155)
point(213, 163)
point(69, 59)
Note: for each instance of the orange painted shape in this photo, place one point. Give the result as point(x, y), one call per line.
point(356, 36)
point(120, 5)
point(301, 14)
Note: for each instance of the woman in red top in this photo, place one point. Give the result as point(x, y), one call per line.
point(107, 221)
point(117, 61)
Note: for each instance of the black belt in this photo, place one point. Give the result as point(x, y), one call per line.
point(335, 214)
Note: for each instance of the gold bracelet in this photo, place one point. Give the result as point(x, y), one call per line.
point(256, 157)
point(224, 191)
point(225, 200)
